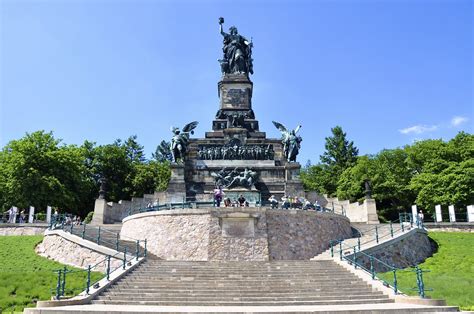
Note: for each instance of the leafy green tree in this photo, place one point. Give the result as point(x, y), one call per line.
point(340, 153)
point(38, 170)
point(444, 172)
point(389, 176)
point(150, 177)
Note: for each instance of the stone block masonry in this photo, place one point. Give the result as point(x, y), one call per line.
point(70, 253)
point(251, 234)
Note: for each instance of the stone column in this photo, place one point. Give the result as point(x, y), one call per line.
point(452, 215)
point(414, 214)
point(15, 213)
point(31, 215)
point(470, 213)
point(439, 217)
point(48, 214)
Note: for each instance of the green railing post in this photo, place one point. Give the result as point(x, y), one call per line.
point(391, 229)
point(88, 282)
point(84, 231)
point(117, 241)
point(137, 249)
point(98, 237)
point(184, 199)
point(70, 229)
point(395, 289)
point(108, 267)
point(372, 272)
point(354, 257)
point(340, 250)
point(64, 281)
point(332, 250)
point(358, 242)
point(411, 221)
point(403, 228)
point(377, 234)
point(124, 258)
point(58, 286)
point(419, 281)
point(144, 252)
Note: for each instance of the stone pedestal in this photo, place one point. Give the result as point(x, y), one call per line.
point(100, 212)
point(370, 208)
point(176, 191)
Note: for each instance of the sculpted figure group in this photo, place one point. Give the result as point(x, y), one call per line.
point(251, 152)
point(231, 178)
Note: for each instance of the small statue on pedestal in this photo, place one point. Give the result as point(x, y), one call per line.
point(291, 141)
point(180, 140)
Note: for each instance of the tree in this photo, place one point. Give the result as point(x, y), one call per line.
point(340, 154)
point(37, 170)
point(389, 177)
point(150, 177)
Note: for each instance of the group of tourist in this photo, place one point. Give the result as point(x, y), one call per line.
point(14, 215)
point(241, 201)
point(288, 202)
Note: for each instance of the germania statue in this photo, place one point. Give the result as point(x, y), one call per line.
point(291, 141)
point(237, 52)
point(180, 140)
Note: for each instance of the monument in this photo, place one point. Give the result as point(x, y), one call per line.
point(235, 155)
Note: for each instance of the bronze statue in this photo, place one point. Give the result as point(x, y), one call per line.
point(291, 141)
point(179, 142)
point(232, 178)
point(237, 52)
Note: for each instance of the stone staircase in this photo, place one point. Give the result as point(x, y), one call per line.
point(108, 238)
point(240, 284)
point(367, 237)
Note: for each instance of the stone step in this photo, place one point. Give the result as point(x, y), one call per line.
point(236, 275)
point(270, 292)
point(218, 298)
point(199, 286)
point(242, 303)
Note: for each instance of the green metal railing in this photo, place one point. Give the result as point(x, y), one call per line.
point(94, 234)
point(369, 263)
point(63, 274)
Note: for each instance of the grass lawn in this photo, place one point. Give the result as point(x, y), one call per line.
point(26, 277)
point(451, 268)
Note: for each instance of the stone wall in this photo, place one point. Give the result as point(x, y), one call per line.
point(303, 234)
point(407, 250)
point(171, 236)
point(23, 229)
point(236, 233)
point(67, 252)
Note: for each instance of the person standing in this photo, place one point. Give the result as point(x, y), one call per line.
point(218, 193)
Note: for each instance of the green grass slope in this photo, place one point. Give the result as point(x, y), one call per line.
point(26, 277)
point(451, 269)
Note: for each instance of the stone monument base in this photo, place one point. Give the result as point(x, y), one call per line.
point(237, 233)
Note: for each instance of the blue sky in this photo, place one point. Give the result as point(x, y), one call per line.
point(388, 72)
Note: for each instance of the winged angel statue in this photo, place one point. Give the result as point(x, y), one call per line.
point(180, 140)
point(291, 141)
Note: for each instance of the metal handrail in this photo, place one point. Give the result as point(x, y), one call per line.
point(126, 260)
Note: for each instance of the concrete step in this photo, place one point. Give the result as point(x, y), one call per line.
point(242, 303)
point(164, 293)
point(222, 298)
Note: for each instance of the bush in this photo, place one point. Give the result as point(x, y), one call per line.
point(88, 218)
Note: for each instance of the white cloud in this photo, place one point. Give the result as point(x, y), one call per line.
point(458, 120)
point(418, 129)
